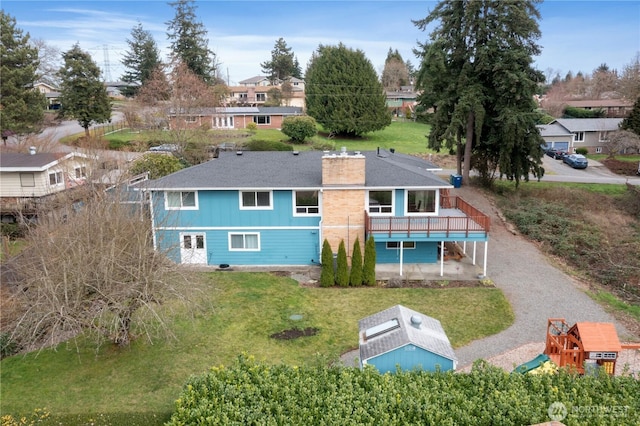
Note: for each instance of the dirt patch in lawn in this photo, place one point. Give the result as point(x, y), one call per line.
point(294, 333)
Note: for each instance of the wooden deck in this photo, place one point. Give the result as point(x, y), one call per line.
point(456, 217)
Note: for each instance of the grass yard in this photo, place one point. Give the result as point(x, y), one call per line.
point(240, 312)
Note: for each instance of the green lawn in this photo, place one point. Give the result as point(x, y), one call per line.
point(240, 312)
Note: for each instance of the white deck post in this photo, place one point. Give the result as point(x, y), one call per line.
point(441, 258)
point(464, 247)
point(474, 253)
point(401, 254)
point(484, 269)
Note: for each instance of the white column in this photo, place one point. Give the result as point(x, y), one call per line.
point(474, 253)
point(401, 255)
point(464, 247)
point(484, 269)
point(441, 258)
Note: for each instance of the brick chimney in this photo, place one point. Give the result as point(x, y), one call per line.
point(343, 169)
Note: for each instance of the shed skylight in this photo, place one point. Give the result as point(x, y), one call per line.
point(379, 329)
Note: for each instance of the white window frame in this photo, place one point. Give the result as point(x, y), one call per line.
point(27, 180)
point(306, 208)
point(603, 136)
point(436, 202)
point(406, 245)
point(578, 137)
point(81, 172)
point(256, 207)
point(190, 119)
point(244, 241)
point(380, 206)
point(266, 119)
point(261, 97)
point(182, 198)
point(598, 150)
point(57, 177)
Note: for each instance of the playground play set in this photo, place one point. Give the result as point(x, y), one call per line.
point(584, 347)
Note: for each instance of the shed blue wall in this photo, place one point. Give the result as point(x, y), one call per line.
point(425, 252)
point(410, 357)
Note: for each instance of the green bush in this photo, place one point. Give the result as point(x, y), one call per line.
point(342, 270)
point(583, 151)
point(369, 268)
point(12, 230)
point(8, 346)
point(252, 127)
point(299, 128)
point(573, 112)
point(355, 278)
point(258, 393)
point(327, 274)
point(262, 145)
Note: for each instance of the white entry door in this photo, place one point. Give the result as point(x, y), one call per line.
point(192, 248)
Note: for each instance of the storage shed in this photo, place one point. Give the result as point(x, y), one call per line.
point(402, 337)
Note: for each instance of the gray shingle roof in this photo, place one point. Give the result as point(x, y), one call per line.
point(589, 124)
point(40, 161)
point(553, 129)
point(284, 170)
point(429, 336)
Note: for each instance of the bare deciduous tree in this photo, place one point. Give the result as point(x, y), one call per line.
point(96, 274)
point(622, 141)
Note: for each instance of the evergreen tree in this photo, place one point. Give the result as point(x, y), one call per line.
point(369, 268)
point(141, 60)
point(82, 94)
point(282, 65)
point(355, 279)
point(189, 43)
point(21, 106)
point(327, 274)
point(395, 73)
point(342, 270)
point(343, 93)
point(477, 73)
point(632, 121)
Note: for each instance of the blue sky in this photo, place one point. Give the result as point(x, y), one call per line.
point(577, 35)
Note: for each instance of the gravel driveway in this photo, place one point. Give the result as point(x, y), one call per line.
point(536, 289)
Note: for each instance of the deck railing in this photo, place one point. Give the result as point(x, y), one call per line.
point(473, 222)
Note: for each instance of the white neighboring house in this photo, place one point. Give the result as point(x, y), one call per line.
point(31, 183)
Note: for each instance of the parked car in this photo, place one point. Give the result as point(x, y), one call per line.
point(577, 161)
point(557, 153)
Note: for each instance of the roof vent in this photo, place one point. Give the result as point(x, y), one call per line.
point(416, 321)
point(32, 150)
point(238, 152)
point(296, 152)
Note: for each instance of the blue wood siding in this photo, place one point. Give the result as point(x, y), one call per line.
point(277, 246)
point(425, 252)
point(410, 357)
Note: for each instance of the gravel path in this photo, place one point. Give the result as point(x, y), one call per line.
point(536, 289)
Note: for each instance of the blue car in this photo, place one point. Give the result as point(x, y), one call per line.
point(577, 161)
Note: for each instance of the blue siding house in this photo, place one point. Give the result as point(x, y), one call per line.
point(401, 337)
point(277, 208)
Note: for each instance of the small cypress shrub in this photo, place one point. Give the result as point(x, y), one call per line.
point(342, 270)
point(581, 150)
point(369, 268)
point(355, 278)
point(327, 275)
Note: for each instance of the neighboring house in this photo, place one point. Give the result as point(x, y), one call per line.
point(51, 93)
point(257, 81)
point(613, 108)
point(30, 183)
point(589, 133)
point(233, 117)
point(259, 95)
point(399, 337)
point(399, 101)
point(277, 208)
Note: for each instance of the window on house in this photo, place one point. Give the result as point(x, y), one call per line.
point(187, 241)
point(603, 136)
point(255, 199)
point(262, 119)
point(405, 245)
point(307, 202)
point(243, 96)
point(191, 119)
point(598, 150)
point(423, 201)
point(181, 200)
point(261, 97)
point(55, 178)
point(27, 179)
point(244, 242)
point(578, 137)
point(81, 172)
point(380, 202)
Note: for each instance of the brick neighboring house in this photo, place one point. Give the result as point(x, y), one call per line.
point(233, 117)
point(33, 184)
point(254, 92)
point(276, 209)
point(573, 133)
